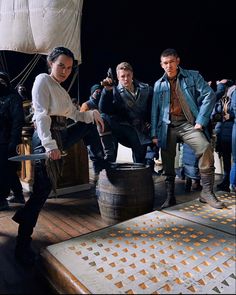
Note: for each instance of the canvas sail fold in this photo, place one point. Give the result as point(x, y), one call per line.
point(32, 26)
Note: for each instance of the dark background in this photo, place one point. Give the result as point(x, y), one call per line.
point(203, 33)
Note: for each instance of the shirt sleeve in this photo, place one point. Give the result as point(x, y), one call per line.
point(41, 105)
point(78, 115)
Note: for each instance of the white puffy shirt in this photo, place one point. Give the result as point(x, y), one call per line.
point(49, 98)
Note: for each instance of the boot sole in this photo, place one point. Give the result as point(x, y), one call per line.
point(220, 206)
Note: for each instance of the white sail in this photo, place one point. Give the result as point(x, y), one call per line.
point(37, 26)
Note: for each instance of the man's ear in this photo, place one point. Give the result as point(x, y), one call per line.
point(178, 60)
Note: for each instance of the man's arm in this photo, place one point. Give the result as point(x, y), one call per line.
point(207, 101)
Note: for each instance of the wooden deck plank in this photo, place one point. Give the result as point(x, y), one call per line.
point(65, 222)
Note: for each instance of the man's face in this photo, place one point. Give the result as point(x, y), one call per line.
point(21, 90)
point(125, 78)
point(170, 65)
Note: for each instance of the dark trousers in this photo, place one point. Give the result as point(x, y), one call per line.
point(4, 180)
point(9, 179)
point(233, 167)
point(28, 215)
point(14, 180)
point(126, 135)
point(233, 145)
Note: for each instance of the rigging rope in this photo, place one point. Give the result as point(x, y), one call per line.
point(30, 65)
point(73, 79)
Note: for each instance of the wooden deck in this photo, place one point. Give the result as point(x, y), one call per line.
point(62, 218)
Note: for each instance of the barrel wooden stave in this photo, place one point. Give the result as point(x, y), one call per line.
point(125, 191)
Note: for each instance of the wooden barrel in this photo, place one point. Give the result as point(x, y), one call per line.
point(125, 191)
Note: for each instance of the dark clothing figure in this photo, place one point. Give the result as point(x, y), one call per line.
point(233, 166)
point(14, 167)
point(11, 123)
point(224, 116)
point(126, 110)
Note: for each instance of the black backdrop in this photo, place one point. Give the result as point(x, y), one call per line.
point(203, 32)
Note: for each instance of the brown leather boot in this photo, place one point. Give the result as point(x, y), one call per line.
point(207, 194)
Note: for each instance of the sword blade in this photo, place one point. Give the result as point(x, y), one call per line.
point(30, 157)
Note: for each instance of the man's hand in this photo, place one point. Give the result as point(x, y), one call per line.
point(198, 127)
point(84, 107)
point(107, 83)
point(223, 81)
point(155, 141)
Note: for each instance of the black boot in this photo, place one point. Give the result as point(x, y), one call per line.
point(207, 194)
point(170, 192)
point(224, 185)
point(196, 185)
point(188, 184)
point(23, 251)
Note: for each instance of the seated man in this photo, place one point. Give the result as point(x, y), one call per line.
point(126, 110)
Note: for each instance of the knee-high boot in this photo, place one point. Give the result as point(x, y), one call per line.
point(23, 251)
point(170, 193)
point(207, 194)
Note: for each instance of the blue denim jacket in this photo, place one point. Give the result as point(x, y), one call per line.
point(199, 96)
